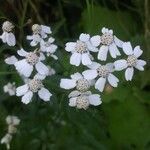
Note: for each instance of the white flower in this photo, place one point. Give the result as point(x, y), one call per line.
point(7, 36)
point(83, 100)
point(10, 88)
point(12, 120)
point(131, 62)
point(11, 60)
point(34, 85)
point(77, 81)
point(104, 72)
point(39, 32)
point(26, 65)
point(107, 42)
point(48, 47)
point(80, 50)
point(6, 140)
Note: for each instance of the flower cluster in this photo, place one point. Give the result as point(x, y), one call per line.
point(98, 73)
point(12, 122)
point(10, 88)
point(31, 64)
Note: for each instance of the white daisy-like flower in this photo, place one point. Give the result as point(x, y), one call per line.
point(10, 88)
point(34, 85)
point(12, 120)
point(104, 73)
point(82, 100)
point(81, 50)
point(48, 47)
point(39, 32)
point(6, 140)
point(107, 42)
point(131, 62)
point(26, 65)
point(7, 35)
point(77, 81)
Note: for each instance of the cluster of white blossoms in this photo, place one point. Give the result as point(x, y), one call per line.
point(98, 73)
point(10, 88)
point(31, 64)
point(12, 122)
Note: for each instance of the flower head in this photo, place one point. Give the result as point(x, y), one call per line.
point(80, 50)
point(48, 47)
point(34, 85)
point(39, 32)
point(107, 42)
point(7, 35)
point(131, 62)
point(103, 72)
point(26, 65)
point(83, 100)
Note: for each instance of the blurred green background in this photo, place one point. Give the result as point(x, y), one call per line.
point(122, 122)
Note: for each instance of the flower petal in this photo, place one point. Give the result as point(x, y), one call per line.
point(11, 60)
point(75, 59)
point(11, 40)
point(100, 84)
point(102, 54)
point(120, 64)
point(118, 42)
point(70, 46)
point(21, 90)
point(140, 64)
point(94, 65)
point(72, 102)
point(41, 68)
point(90, 74)
point(74, 94)
point(3, 37)
point(86, 59)
point(91, 48)
point(27, 97)
point(113, 80)
point(42, 57)
point(114, 52)
point(110, 67)
point(95, 40)
point(127, 48)
point(104, 30)
point(76, 76)
point(95, 99)
point(46, 29)
point(84, 37)
point(44, 94)
point(67, 83)
point(129, 73)
point(22, 52)
point(24, 68)
point(137, 51)
point(39, 76)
